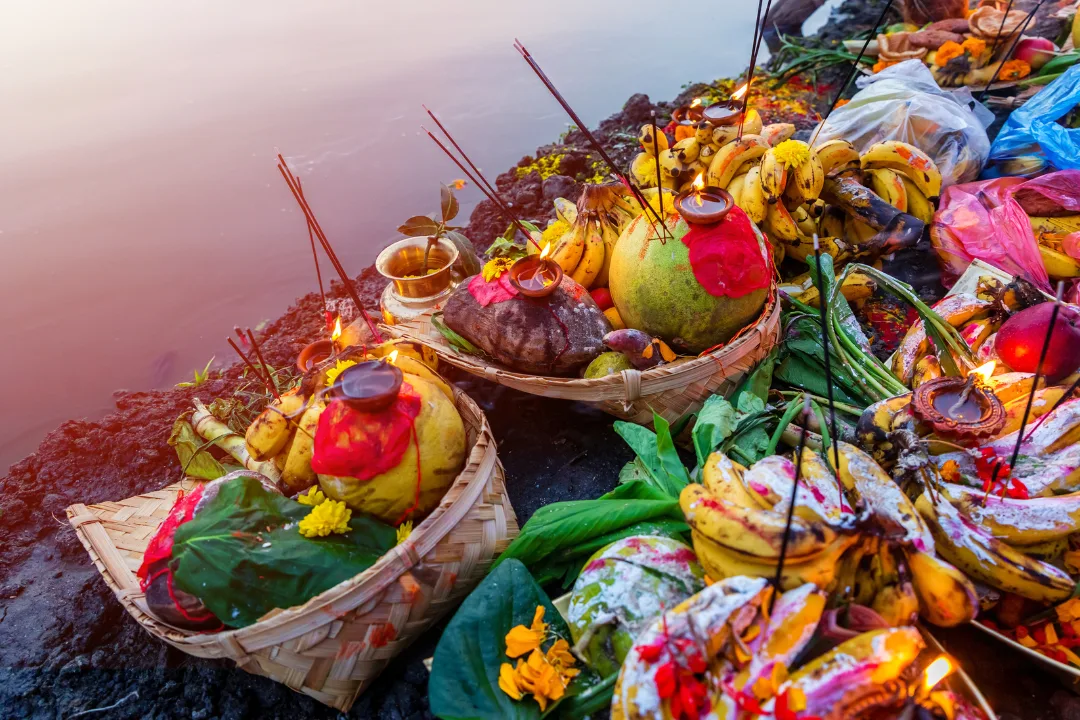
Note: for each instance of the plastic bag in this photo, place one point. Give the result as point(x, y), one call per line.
point(983, 220)
point(904, 102)
point(1032, 129)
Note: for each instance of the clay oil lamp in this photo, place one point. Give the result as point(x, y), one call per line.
point(536, 276)
point(320, 350)
point(962, 410)
point(704, 205)
point(688, 114)
point(726, 112)
point(369, 386)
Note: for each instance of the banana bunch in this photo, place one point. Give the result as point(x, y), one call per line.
point(1050, 233)
point(973, 316)
point(285, 433)
point(582, 237)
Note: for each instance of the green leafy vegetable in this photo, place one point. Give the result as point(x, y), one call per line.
point(243, 556)
point(715, 423)
point(464, 682)
point(195, 460)
point(657, 453)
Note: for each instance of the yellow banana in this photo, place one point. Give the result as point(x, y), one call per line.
point(724, 134)
point(720, 563)
point(706, 155)
point(1014, 409)
point(928, 368)
point(804, 222)
point(908, 160)
point(752, 199)
point(592, 259)
point(856, 287)
point(946, 596)
point(808, 177)
point(687, 150)
point(703, 133)
point(831, 223)
point(956, 310)
point(987, 559)
point(802, 248)
point(723, 477)
point(837, 156)
point(611, 236)
point(730, 157)
point(780, 226)
point(1018, 522)
point(892, 510)
point(270, 431)
point(643, 169)
point(790, 628)
point(1056, 225)
point(777, 133)
point(645, 137)
point(1058, 264)
point(888, 186)
point(774, 177)
point(297, 472)
point(671, 166)
point(570, 247)
point(738, 183)
point(856, 232)
point(917, 203)
point(756, 533)
point(897, 604)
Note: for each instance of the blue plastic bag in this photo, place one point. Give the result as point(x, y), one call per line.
point(1032, 129)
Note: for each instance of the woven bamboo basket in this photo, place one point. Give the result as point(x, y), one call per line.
point(335, 645)
point(672, 391)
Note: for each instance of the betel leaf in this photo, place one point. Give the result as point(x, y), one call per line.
point(195, 459)
point(464, 681)
point(243, 556)
point(419, 226)
point(716, 421)
point(633, 471)
point(448, 204)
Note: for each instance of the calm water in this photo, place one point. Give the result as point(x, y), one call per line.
point(141, 213)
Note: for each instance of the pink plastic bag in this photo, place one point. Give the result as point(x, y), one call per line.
point(983, 220)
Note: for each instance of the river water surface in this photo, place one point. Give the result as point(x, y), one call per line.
point(141, 213)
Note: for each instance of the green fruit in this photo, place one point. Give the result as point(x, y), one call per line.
point(609, 363)
point(655, 291)
point(622, 588)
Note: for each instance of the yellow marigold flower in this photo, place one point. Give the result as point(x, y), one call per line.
point(881, 65)
point(1014, 70)
point(339, 367)
point(560, 657)
point(947, 52)
point(540, 678)
point(508, 680)
point(495, 268)
point(1069, 610)
point(314, 496)
point(404, 530)
point(974, 46)
point(792, 152)
point(325, 518)
point(521, 640)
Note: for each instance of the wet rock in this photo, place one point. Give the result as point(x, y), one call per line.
point(1066, 704)
point(638, 109)
point(558, 186)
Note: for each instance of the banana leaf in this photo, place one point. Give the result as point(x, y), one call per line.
point(657, 453)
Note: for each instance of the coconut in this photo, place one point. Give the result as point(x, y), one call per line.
point(654, 289)
point(622, 588)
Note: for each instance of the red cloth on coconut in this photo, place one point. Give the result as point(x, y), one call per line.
point(361, 445)
point(160, 547)
point(496, 291)
point(726, 257)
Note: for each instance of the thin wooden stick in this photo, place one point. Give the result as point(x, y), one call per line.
point(759, 35)
point(499, 204)
point(266, 368)
point(480, 175)
point(251, 366)
point(318, 270)
point(646, 208)
point(291, 180)
point(794, 497)
point(656, 156)
point(851, 74)
point(1001, 27)
point(1038, 373)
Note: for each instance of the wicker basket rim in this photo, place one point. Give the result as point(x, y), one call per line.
point(367, 585)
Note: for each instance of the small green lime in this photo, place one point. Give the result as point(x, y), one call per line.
point(608, 363)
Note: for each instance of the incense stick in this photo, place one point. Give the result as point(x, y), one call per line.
point(794, 497)
point(1001, 27)
point(1019, 34)
point(291, 181)
point(851, 74)
point(646, 208)
point(457, 147)
point(1060, 401)
point(251, 366)
point(315, 257)
point(656, 156)
point(499, 205)
point(1034, 382)
point(266, 368)
point(828, 362)
point(759, 35)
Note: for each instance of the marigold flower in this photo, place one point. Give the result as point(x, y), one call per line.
point(339, 367)
point(314, 496)
point(947, 52)
point(882, 64)
point(540, 678)
point(326, 518)
point(1014, 70)
point(842, 103)
point(974, 46)
point(404, 530)
point(562, 660)
point(494, 268)
point(792, 152)
point(521, 640)
point(508, 681)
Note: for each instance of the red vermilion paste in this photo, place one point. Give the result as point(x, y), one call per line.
point(726, 257)
point(361, 445)
point(161, 545)
point(496, 291)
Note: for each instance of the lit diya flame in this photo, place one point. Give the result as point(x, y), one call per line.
point(738, 94)
point(392, 358)
point(699, 185)
point(936, 672)
point(697, 101)
point(337, 330)
point(545, 251)
point(983, 373)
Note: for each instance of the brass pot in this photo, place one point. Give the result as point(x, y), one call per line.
point(402, 263)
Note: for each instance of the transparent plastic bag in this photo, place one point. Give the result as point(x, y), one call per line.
point(983, 220)
point(904, 102)
point(1032, 128)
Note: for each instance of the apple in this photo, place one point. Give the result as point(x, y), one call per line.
point(1020, 340)
point(602, 296)
point(1035, 51)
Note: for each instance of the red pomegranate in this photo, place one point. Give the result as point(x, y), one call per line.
point(602, 296)
point(1020, 341)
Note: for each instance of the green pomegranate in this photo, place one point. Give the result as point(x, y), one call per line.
point(654, 289)
point(622, 588)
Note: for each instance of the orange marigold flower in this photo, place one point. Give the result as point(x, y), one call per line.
point(560, 657)
point(881, 65)
point(540, 678)
point(842, 103)
point(508, 681)
point(521, 640)
point(947, 52)
point(1014, 70)
point(974, 46)
point(1068, 610)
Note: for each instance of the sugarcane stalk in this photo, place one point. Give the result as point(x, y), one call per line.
point(217, 432)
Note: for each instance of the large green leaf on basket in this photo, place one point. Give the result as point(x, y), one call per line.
point(657, 453)
point(243, 556)
point(464, 682)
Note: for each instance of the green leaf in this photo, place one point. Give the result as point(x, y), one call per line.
point(464, 682)
point(505, 247)
point(633, 471)
point(456, 341)
point(243, 556)
point(590, 701)
point(676, 475)
point(419, 226)
point(448, 203)
point(191, 450)
point(757, 382)
point(716, 421)
point(642, 441)
point(467, 257)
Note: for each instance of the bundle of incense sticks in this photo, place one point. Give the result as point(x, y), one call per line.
point(264, 375)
